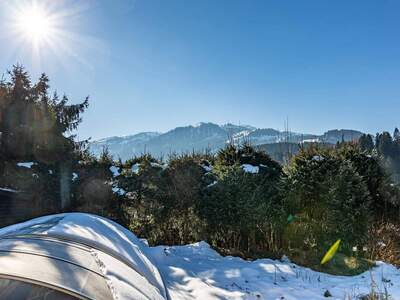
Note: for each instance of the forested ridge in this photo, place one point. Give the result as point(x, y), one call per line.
point(239, 200)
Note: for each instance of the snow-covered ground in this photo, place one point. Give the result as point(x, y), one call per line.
point(198, 272)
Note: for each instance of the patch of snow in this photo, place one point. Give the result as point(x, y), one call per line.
point(8, 190)
point(75, 176)
point(240, 136)
point(118, 191)
point(27, 165)
point(310, 141)
point(157, 165)
point(212, 184)
point(317, 158)
point(115, 171)
point(136, 168)
point(207, 168)
point(250, 168)
point(381, 244)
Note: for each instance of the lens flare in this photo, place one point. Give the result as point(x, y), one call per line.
point(41, 31)
point(35, 24)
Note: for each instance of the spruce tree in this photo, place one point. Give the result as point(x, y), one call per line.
point(38, 128)
point(396, 135)
point(35, 126)
point(396, 156)
point(366, 143)
point(384, 144)
point(348, 207)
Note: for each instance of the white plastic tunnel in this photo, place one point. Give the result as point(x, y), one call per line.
point(76, 256)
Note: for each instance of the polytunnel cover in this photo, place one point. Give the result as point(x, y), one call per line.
point(82, 255)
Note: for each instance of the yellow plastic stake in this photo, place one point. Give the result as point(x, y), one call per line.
point(331, 252)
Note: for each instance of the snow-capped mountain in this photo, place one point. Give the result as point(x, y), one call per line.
point(207, 137)
point(124, 146)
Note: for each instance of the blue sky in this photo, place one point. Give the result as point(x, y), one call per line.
point(152, 65)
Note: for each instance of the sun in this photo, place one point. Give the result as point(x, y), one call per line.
point(35, 24)
point(40, 31)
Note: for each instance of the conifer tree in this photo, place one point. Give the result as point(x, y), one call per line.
point(348, 206)
point(35, 126)
point(384, 144)
point(366, 143)
point(38, 128)
point(396, 135)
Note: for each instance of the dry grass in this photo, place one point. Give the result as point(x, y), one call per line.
point(341, 264)
point(384, 242)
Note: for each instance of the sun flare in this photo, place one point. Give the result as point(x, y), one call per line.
point(43, 30)
point(35, 24)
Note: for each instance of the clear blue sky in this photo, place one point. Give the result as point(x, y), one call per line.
point(152, 65)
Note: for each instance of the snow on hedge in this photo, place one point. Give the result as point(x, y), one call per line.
point(118, 191)
point(75, 176)
point(135, 168)
point(27, 165)
point(250, 168)
point(212, 183)
point(157, 165)
point(115, 171)
point(318, 158)
point(207, 168)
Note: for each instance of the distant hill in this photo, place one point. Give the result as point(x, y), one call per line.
point(333, 136)
point(282, 151)
point(124, 146)
point(209, 137)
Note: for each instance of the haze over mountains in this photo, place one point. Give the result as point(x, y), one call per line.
point(208, 136)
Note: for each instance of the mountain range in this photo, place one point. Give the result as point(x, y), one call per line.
point(208, 137)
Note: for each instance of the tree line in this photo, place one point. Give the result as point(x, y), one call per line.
point(239, 200)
